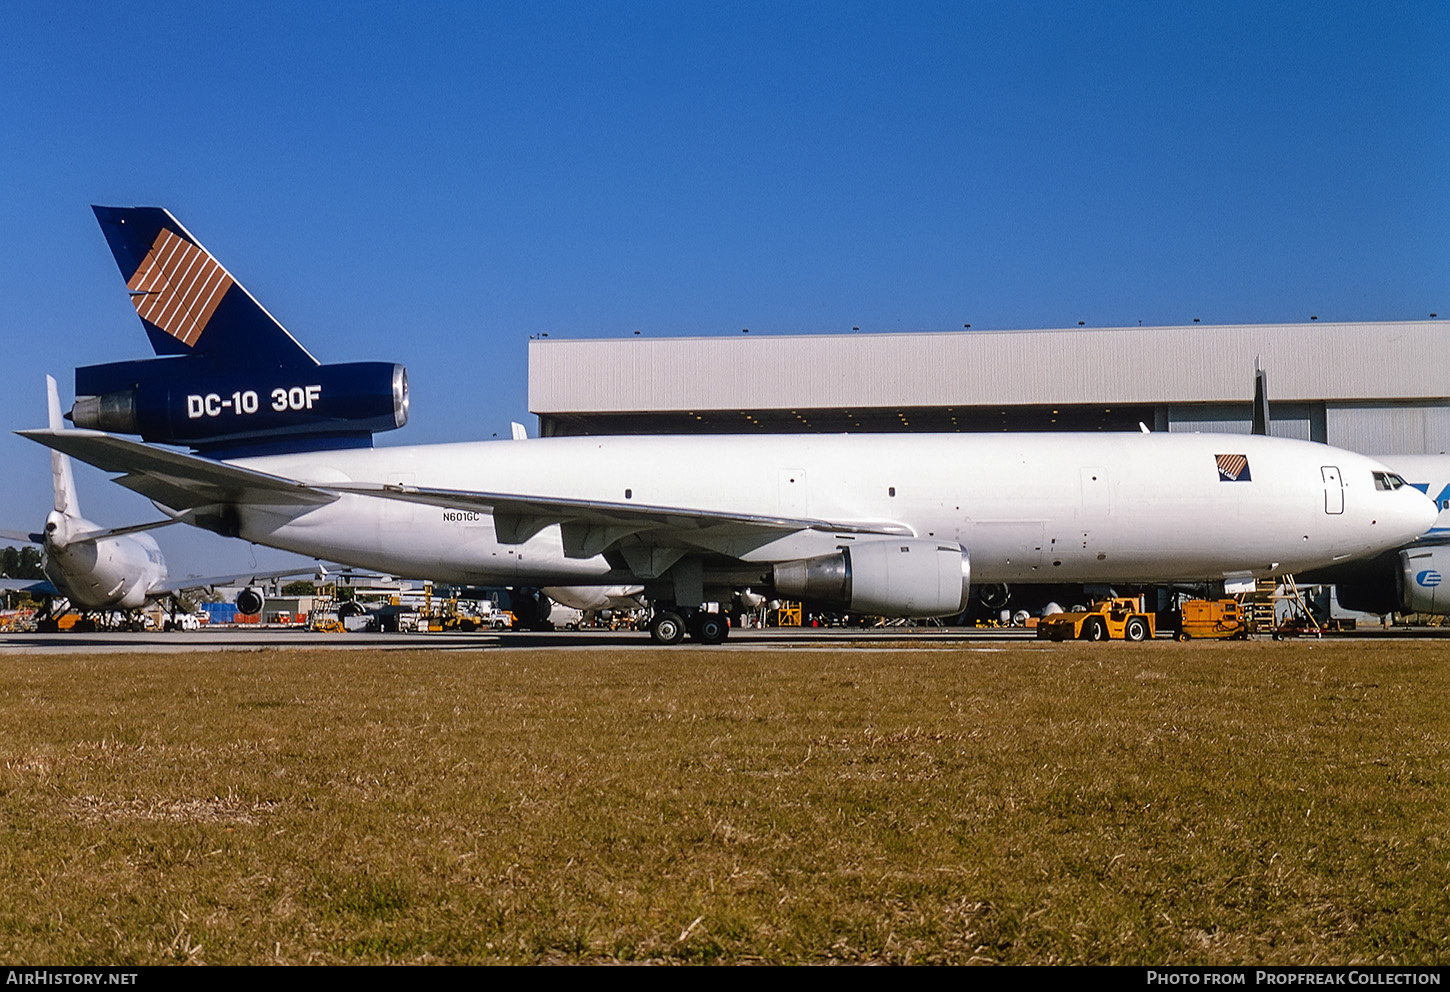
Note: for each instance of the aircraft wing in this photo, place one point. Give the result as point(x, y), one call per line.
point(176, 585)
point(175, 479)
point(591, 527)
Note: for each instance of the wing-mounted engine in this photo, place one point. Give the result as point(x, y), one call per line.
point(188, 401)
point(250, 600)
point(1422, 580)
point(908, 577)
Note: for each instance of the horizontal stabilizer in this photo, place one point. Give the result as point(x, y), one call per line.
point(103, 532)
point(180, 481)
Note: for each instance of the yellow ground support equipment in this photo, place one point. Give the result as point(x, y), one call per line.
point(323, 616)
point(1119, 619)
point(788, 615)
point(1220, 618)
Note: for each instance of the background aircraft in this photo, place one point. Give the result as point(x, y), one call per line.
point(102, 569)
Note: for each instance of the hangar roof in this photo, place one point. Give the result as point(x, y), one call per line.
point(1337, 362)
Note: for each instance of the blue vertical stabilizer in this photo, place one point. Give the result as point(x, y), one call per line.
point(187, 300)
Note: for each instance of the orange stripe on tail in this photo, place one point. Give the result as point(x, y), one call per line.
point(177, 287)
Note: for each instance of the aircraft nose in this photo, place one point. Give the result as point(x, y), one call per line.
point(1431, 511)
point(1424, 512)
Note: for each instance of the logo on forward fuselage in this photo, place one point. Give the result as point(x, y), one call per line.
point(1233, 468)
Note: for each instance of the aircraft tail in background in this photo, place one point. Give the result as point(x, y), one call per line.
point(62, 476)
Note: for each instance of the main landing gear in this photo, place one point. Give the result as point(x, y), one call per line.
point(670, 624)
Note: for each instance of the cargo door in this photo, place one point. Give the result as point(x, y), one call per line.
point(1016, 544)
point(1333, 489)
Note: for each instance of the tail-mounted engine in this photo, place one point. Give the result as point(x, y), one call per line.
point(230, 380)
point(185, 401)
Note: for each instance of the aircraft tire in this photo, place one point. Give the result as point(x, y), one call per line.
point(1094, 630)
point(667, 627)
point(711, 628)
point(1136, 629)
point(1183, 635)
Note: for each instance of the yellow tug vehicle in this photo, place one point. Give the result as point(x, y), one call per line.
point(1118, 619)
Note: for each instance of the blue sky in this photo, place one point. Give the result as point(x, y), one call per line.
point(433, 183)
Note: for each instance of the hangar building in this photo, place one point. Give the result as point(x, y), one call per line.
point(1379, 388)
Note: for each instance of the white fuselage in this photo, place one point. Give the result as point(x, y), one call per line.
point(107, 573)
point(1028, 508)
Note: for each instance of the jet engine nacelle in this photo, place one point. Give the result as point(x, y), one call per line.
point(186, 401)
point(250, 601)
point(1423, 574)
point(896, 578)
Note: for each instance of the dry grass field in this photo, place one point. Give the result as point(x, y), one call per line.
point(1012, 804)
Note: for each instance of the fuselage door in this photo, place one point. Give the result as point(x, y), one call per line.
point(1333, 489)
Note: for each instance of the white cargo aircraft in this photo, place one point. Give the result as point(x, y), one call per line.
point(889, 525)
point(874, 524)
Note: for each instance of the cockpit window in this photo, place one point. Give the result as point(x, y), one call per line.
point(1387, 481)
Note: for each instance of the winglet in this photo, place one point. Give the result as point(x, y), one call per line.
point(187, 301)
point(62, 476)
